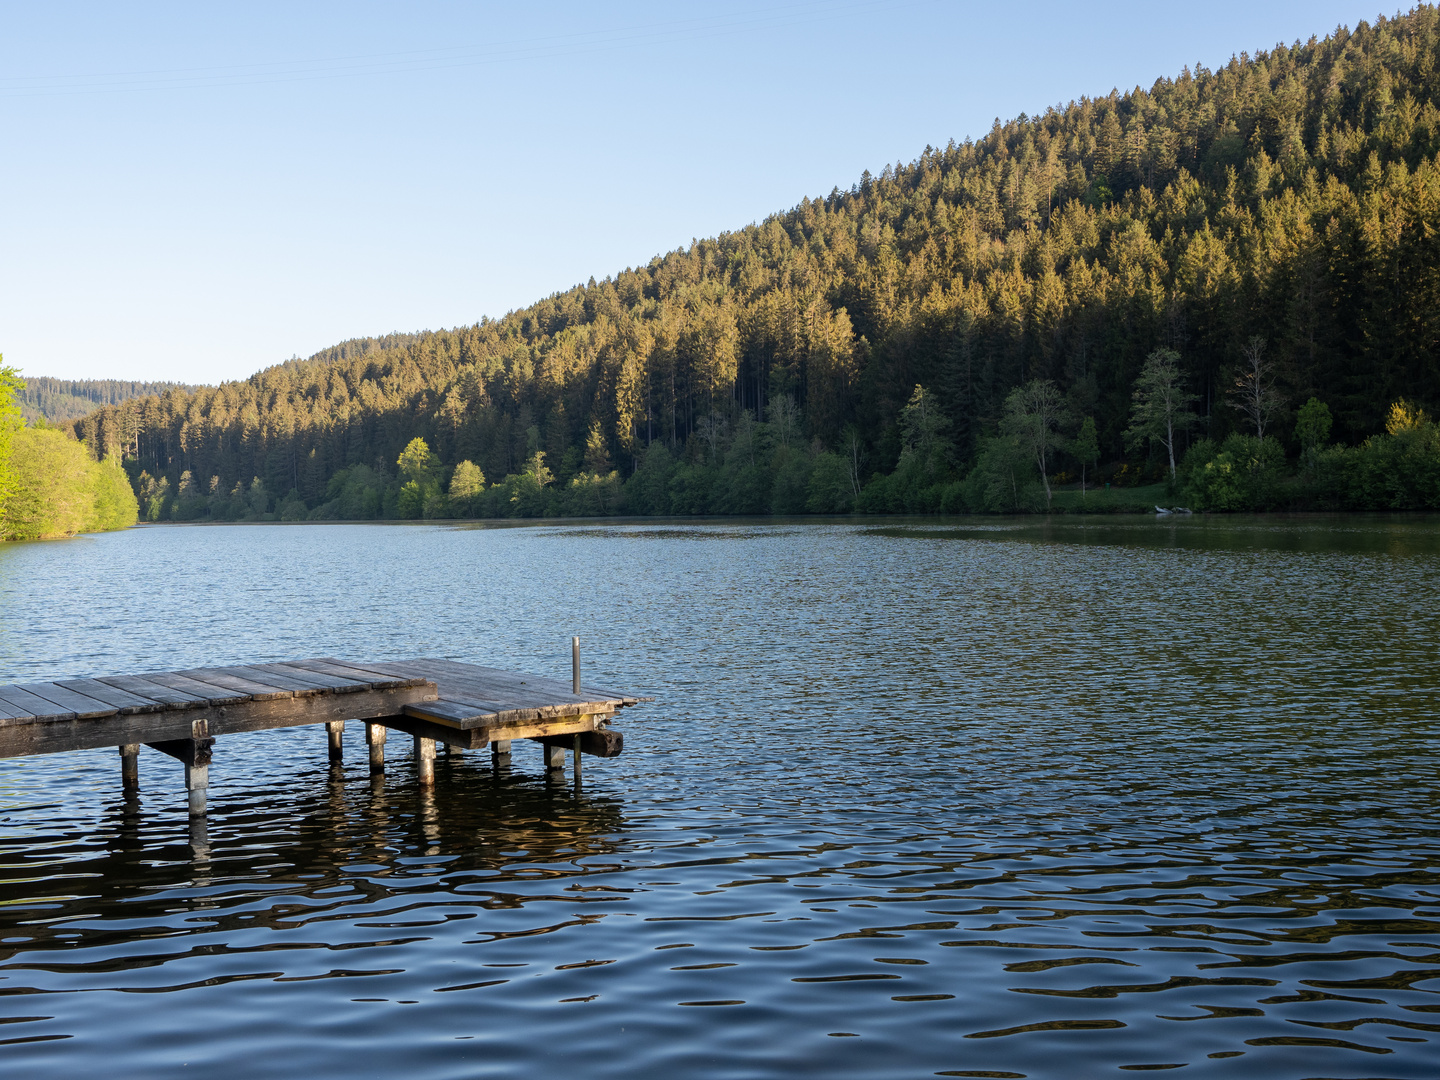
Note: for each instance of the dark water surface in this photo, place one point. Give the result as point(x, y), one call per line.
point(981, 799)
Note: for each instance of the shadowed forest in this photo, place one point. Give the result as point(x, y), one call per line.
point(1225, 287)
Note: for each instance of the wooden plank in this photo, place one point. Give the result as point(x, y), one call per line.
point(39, 708)
point(465, 739)
point(602, 742)
point(507, 685)
point(566, 726)
point(14, 714)
point(222, 680)
point(142, 687)
point(21, 740)
point(475, 738)
point(512, 686)
point(376, 679)
point(458, 684)
point(320, 680)
point(83, 706)
point(251, 673)
point(470, 710)
point(123, 700)
point(442, 712)
point(212, 693)
point(546, 684)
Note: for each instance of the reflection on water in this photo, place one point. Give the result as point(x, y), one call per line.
point(996, 798)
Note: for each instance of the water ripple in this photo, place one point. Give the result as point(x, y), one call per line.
point(1000, 799)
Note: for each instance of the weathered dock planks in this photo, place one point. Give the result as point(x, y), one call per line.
point(181, 713)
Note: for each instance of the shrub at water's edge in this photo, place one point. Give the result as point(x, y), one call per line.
point(49, 483)
point(58, 489)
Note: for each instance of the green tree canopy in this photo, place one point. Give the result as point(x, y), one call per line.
point(1034, 415)
point(10, 387)
point(1161, 409)
point(1085, 448)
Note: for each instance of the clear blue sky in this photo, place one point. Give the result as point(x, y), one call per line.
point(196, 191)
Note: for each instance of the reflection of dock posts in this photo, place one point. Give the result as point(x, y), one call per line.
point(194, 754)
point(199, 838)
point(335, 729)
point(425, 760)
point(130, 768)
point(375, 737)
point(575, 689)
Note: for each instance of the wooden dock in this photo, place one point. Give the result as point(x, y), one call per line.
point(182, 713)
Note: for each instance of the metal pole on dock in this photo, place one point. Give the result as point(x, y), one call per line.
point(575, 663)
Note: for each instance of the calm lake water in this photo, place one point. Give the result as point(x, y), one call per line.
point(997, 798)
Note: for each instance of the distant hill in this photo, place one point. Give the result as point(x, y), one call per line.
point(59, 400)
point(1284, 205)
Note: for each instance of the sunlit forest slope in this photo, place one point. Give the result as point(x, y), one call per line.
point(1291, 196)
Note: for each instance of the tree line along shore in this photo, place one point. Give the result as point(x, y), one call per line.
point(50, 483)
point(1221, 291)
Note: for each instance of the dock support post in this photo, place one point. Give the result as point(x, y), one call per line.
point(130, 768)
point(425, 759)
point(500, 751)
point(577, 757)
point(375, 737)
point(335, 729)
point(194, 754)
point(554, 757)
point(197, 779)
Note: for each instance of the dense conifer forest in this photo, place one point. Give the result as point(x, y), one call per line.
point(59, 400)
point(1228, 283)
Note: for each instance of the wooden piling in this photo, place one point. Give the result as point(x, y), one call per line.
point(197, 780)
point(500, 751)
point(577, 757)
point(335, 729)
point(194, 754)
point(375, 738)
point(554, 757)
point(425, 760)
point(130, 767)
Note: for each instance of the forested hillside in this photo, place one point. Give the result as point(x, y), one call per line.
point(1277, 219)
point(68, 399)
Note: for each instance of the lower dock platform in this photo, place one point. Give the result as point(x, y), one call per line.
point(182, 713)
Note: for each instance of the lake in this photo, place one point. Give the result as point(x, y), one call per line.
point(954, 797)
